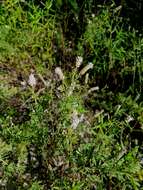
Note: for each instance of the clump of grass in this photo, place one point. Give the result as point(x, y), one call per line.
point(113, 50)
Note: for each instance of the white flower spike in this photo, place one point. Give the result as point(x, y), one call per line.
point(86, 68)
point(79, 61)
point(76, 119)
point(32, 80)
point(59, 72)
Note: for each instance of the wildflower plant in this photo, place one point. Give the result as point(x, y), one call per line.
point(71, 113)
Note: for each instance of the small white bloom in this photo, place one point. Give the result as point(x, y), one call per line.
point(93, 15)
point(32, 80)
point(23, 83)
point(79, 61)
point(129, 118)
point(59, 72)
point(86, 68)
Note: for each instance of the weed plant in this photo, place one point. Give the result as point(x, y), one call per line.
point(76, 127)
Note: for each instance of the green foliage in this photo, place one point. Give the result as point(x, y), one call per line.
point(64, 134)
point(112, 49)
